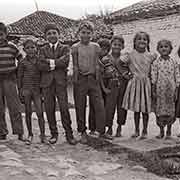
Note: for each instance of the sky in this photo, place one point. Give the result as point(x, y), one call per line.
point(13, 10)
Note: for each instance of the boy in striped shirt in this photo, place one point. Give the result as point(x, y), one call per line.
point(29, 89)
point(8, 91)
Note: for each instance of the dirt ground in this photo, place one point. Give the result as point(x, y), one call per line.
point(65, 162)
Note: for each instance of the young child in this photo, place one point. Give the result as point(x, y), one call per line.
point(137, 97)
point(165, 81)
point(8, 91)
point(86, 81)
point(178, 97)
point(29, 88)
point(121, 75)
point(54, 61)
point(105, 48)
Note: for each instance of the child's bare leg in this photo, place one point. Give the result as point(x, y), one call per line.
point(145, 125)
point(160, 124)
point(168, 132)
point(170, 121)
point(41, 121)
point(136, 122)
point(28, 112)
point(179, 123)
point(161, 134)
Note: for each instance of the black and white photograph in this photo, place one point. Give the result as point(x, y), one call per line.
point(90, 90)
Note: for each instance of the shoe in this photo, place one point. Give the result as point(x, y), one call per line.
point(92, 133)
point(160, 136)
point(168, 137)
point(84, 138)
point(106, 136)
point(168, 133)
point(21, 137)
point(109, 131)
point(53, 139)
point(143, 136)
point(135, 135)
point(118, 131)
point(29, 140)
point(43, 139)
point(3, 137)
point(72, 141)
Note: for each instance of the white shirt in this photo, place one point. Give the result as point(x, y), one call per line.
point(52, 61)
point(55, 45)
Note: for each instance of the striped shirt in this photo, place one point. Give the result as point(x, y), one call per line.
point(28, 74)
point(8, 56)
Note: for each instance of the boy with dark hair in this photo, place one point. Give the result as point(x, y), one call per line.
point(86, 81)
point(118, 75)
point(29, 88)
point(54, 61)
point(8, 56)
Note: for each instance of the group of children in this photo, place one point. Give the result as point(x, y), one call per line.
point(139, 81)
point(136, 81)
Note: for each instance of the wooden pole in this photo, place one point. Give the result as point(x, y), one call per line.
point(36, 5)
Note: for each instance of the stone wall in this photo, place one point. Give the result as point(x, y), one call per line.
point(161, 27)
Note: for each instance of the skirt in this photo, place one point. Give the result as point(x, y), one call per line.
point(162, 121)
point(178, 104)
point(137, 97)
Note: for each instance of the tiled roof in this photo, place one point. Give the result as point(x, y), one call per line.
point(146, 9)
point(34, 24)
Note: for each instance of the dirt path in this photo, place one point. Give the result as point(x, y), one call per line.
point(65, 162)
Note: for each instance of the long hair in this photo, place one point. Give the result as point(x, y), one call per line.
point(147, 36)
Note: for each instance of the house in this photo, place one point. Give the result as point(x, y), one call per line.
point(33, 26)
point(159, 18)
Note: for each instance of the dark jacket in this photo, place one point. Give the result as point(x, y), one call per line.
point(61, 57)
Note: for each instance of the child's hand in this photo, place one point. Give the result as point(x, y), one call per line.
point(105, 61)
point(128, 75)
point(52, 64)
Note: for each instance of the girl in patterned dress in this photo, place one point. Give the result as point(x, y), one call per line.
point(137, 97)
point(165, 80)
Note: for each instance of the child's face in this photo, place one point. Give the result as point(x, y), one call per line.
point(104, 51)
point(30, 49)
point(52, 36)
point(2, 36)
point(164, 49)
point(85, 35)
point(141, 41)
point(117, 46)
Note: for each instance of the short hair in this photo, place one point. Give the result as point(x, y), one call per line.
point(3, 27)
point(29, 41)
point(147, 36)
point(50, 26)
point(119, 38)
point(166, 41)
point(86, 24)
point(104, 43)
